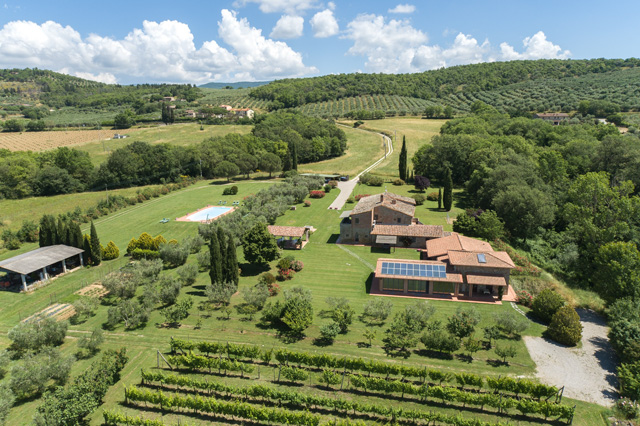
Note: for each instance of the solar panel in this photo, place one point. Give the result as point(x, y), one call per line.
point(414, 270)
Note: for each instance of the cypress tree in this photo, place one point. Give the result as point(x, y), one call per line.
point(216, 260)
point(447, 197)
point(439, 198)
point(60, 231)
point(222, 242)
point(402, 164)
point(44, 234)
point(77, 240)
point(232, 263)
point(294, 156)
point(96, 252)
point(86, 246)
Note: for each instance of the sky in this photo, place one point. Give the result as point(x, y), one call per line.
point(197, 42)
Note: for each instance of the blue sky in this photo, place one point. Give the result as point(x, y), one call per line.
point(140, 41)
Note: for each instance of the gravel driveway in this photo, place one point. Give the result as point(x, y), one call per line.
point(588, 373)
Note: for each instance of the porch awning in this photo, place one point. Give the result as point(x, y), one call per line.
point(486, 280)
point(386, 239)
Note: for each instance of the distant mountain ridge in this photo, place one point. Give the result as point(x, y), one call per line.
point(236, 85)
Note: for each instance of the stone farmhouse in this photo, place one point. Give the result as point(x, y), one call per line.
point(388, 220)
point(554, 117)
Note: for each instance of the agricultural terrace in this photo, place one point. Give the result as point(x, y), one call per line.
point(329, 270)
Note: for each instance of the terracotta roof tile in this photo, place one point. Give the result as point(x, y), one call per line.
point(441, 246)
point(402, 204)
point(486, 280)
point(286, 231)
point(427, 231)
point(470, 258)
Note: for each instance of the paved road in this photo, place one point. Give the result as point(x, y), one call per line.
point(346, 188)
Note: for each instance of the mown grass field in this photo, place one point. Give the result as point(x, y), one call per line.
point(329, 270)
point(416, 130)
point(181, 134)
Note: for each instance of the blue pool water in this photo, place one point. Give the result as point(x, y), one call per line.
point(208, 213)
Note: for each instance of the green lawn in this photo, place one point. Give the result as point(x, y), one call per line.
point(363, 148)
point(329, 270)
point(417, 131)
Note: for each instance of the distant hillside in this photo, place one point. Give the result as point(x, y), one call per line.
point(438, 85)
point(237, 85)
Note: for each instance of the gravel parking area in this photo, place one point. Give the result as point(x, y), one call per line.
point(587, 373)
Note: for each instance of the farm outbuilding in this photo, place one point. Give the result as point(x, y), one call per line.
point(41, 264)
point(291, 237)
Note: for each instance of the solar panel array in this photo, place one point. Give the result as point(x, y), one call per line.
point(414, 269)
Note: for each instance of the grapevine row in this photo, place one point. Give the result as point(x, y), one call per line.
point(213, 406)
point(305, 401)
point(286, 357)
point(448, 394)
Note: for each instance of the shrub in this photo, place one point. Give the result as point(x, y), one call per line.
point(266, 278)
point(629, 408)
point(307, 203)
point(333, 183)
point(565, 326)
point(284, 264)
point(174, 254)
point(361, 196)
point(398, 182)
point(419, 199)
point(351, 200)
point(524, 298)
point(546, 304)
point(432, 196)
point(329, 332)
point(316, 194)
point(138, 254)
point(111, 251)
point(285, 274)
point(327, 188)
point(297, 265)
point(629, 378)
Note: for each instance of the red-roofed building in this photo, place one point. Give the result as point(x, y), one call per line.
point(455, 266)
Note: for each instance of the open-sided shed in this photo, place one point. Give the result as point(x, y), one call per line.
point(291, 237)
point(39, 260)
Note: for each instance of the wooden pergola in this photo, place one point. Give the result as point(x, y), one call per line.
point(39, 260)
point(291, 237)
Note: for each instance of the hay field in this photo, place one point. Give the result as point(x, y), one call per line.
point(43, 141)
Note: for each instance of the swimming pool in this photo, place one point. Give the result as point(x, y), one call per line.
point(206, 214)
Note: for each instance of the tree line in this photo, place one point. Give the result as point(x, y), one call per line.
point(278, 142)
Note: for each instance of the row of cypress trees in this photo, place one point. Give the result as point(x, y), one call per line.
point(67, 232)
point(224, 260)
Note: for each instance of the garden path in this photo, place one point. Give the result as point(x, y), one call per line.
point(587, 372)
point(346, 188)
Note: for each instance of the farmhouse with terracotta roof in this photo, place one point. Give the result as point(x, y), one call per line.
point(453, 266)
point(386, 219)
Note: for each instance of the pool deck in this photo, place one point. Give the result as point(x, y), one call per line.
point(185, 218)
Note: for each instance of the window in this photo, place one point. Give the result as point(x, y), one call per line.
point(399, 219)
point(357, 220)
point(417, 286)
point(375, 217)
point(392, 284)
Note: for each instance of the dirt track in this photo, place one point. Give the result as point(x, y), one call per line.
point(588, 373)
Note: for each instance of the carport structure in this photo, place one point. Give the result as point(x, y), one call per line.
point(39, 260)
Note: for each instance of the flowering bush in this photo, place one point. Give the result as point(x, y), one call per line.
point(524, 298)
point(432, 196)
point(307, 203)
point(359, 197)
point(297, 265)
point(628, 408)
point(274, 289)
point(285, 274)
point(316, 194)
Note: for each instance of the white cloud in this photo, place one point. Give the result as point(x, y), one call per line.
point(159, 51)
point(324, 24)
point(291, 7)
point(395, 46)
point(403, 8)
point(535, 47)
point(389, 47)
point(288, 27)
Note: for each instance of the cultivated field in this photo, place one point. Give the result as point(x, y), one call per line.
point(329, 270)
point(42, 141)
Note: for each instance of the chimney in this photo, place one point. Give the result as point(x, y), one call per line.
point(393, 201)
point(381, 197)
